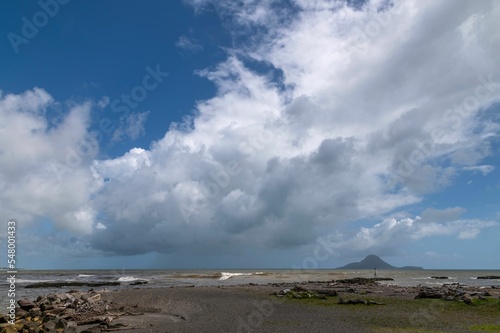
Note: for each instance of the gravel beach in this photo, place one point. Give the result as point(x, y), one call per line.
point(252, 308)
point(354, 305)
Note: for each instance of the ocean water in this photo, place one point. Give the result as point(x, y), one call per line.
point(169, 278)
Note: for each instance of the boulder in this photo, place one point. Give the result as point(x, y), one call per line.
point(8, 329)
point(20, 313)
point(50, 325)
point(26, 304)
point(138, 283)
point(467, 299)
point(61, 326)
point(31, 327)
point(429, 294)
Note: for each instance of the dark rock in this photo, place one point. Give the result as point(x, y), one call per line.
point(26, 304)
point(363, 281)
point(71, 284)
point(61, 325)
point(48, 317)
point(299, 289)
point(19, 324)
point(136, 283)
point(489, 277)
point(8, 329)
point(429, 294)
point(467, 299)
point(50, 325)
point(71, 327)
point(46, 307)
point(440, 277)
point(351, 301)
point(35, 312)
point(358, 301)
point(20, 313)
point(31, 327)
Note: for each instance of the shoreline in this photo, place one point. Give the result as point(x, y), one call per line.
point(353, 305)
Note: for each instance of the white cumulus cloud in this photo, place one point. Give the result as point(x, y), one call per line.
point(363, 111)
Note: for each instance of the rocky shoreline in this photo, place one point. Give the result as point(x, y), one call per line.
point(64, 312)
point(104, 311)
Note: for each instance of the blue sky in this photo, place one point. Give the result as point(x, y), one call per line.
point(205, 134)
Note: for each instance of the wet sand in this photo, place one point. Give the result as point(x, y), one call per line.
point(252, 308)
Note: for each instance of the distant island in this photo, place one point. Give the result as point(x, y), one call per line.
point(372, 261)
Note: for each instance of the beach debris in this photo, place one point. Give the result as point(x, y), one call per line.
point(285, 291)
point(331, 293)
point(64, 312)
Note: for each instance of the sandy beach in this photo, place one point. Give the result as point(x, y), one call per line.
point(362, 306)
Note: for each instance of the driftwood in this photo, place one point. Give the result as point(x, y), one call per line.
point(64, 312)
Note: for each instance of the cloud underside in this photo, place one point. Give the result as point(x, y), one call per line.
point(377, 106)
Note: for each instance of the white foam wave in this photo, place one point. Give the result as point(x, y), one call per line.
point(228, 275)
point(129, 279)
point(85, 275)
point(32, 281)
